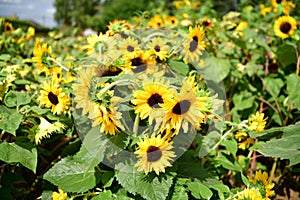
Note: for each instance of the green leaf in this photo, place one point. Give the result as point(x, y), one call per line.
point(218, 186)
point(139, 183)
point(273, 85)
point(215, 69)
point(242, 101)
point(228, 162)
point(17, 152)
point(286, 147)
point(230, 145)
point(76, 173)
point(13, 99)
point(107, 195)
point(286, 55)
point(5, 57)
point(188, 166)
point(180, 193)
point(199, 190)
point(286, 130)
point(72, 175)
point(245, 179)
point(10, 119)
point(208, 143)
point(179, 66)
point(293, 85)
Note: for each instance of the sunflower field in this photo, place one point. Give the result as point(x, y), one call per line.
point(172, 103)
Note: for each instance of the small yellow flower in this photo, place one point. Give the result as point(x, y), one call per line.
point(245, 144)
point(262, 179)
point(60, 195)
point(257, 122)
point(240, 135)
point(249, 194)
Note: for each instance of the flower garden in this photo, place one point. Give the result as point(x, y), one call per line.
point(170, 104)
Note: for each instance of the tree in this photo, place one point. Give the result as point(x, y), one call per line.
point(74, 12)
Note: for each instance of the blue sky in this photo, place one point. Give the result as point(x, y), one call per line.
point(40, 11)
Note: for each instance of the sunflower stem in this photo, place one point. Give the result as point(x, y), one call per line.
point(136, 124)
point(58, 63)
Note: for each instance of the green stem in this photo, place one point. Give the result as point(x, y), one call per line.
point(272, 172)
point(56, 62)
point(136, 124)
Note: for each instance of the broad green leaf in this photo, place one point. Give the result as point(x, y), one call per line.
point(179, 66)
point(106, 194)
point(245, 179)
point(216, 69)
point(76, 173)
point(188, 166)
point(293, 85)
point(230, 145)
point(13, 99)
point(287, 147)
point(180, 193)
point(287, 130)
point(286, 55)
point(10, 119)
point(199, 190)
point(242, 101)
point(5, 57)
point(273, 85)
point(72, 175)
point(227, 162)
point(138, 183)
point(208, 142)
point(23, 153)
point(218, 186)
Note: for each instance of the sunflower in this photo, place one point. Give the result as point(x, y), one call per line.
point(285, 26)
point(82, 90)
point(257, 122)
point(102, 47)
point(41, 55)
point(107, 118)
point(117, 27)
point(8, 28)
point(184, 108)
point(207, 23)
point(148, 101)
point(156, 22)
point(194, 45)
point(264, 10)
point(261, 180)
point(45, 129)
point(60, 195)
point(154, 154)
point(249, 193)
point(159, 48)
point(171, 21)
point(138, 61)
point(54, 98)
point(128, 45)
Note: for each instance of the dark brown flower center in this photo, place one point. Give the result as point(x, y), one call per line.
point(154, 100)
point(285, 27)
point(205, 23)
point(193, 44)
point(157, 48)
point(130, 48)
point(53, 98)
point(139, 64)
point(181, 107)
point(153, 154)
point(123, 35)
point(278, 1)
